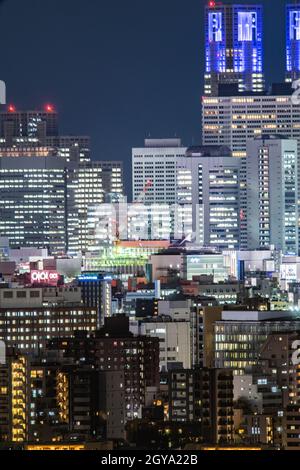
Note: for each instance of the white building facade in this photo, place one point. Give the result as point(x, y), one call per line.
point(233, 120)
point(272, 194)
point(202, 182)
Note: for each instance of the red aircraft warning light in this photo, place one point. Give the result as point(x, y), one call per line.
point(49, 108)
point(212, 4)
point(11, 108)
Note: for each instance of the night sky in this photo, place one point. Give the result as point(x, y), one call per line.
point(117, 70)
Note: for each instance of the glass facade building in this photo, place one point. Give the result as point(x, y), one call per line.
point(203, 182)
point(271, 212)
point(237, 344)
point(32, 202)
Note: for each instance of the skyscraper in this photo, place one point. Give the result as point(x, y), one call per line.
point(112, 180)
point(39, 124)
point(272, 194)
point(293, 42)
point(47, 182)
point(232, 120)
point(202, 178)
point(234, 47)
point(33, 203)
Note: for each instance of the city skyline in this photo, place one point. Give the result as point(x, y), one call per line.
point(167, 320)
point(128, 87)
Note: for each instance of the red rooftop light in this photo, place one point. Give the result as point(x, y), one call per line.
point(49, 108)
point(11, 108)
point(212, 4)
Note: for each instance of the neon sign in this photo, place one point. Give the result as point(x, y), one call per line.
point(93, 277)
point(88, 278)
point(44, 277)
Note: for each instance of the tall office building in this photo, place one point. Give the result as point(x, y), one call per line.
point(272, 194)
point(154, 170)
point(39, 124)
point(25, 316)
point(24, 131)
point(240, 335)
point(93, 184)
point(86, 183)
point(203, 179)
point(48, 182)
point(234, 47)
point(72, 148)
point(112, 180)
point(232, 120)
point(96, 291)
point(44, 200)
point(293, 42)
point(33, 203)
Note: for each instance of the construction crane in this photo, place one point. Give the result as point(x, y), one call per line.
point(141, 197)
point(139, 200)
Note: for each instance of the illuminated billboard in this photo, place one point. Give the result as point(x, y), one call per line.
point(247, 26)
point(288, 272)
point(44, 277)
point(215, 27)
point(208, 265)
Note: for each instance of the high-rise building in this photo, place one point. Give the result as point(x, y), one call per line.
point(174, 339)
point(278, 353)
point(293, 42)
point(15, 125)
point(96, 292)
point(232, 120)
point(44, 200)
point(234, 47)
point(112, 180)
point(72, 148)
point(28, 318)
point(47, 398)
point(33, 211)
point(272, 194)
point(48, 182)
point(240, 335)
point(114, 348)
point(291, 428)
point(204, 396)
point(204, 181)
point(154, 178)
point(86, 183)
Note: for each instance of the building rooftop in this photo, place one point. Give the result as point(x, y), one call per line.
point(272, 137)
point(159, 143)
point(208, 151)
point(252, 315)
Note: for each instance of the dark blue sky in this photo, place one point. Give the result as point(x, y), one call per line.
point(116, 70)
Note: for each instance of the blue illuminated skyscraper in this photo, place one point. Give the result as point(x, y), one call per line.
point(293, 42)
point(234, 47)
